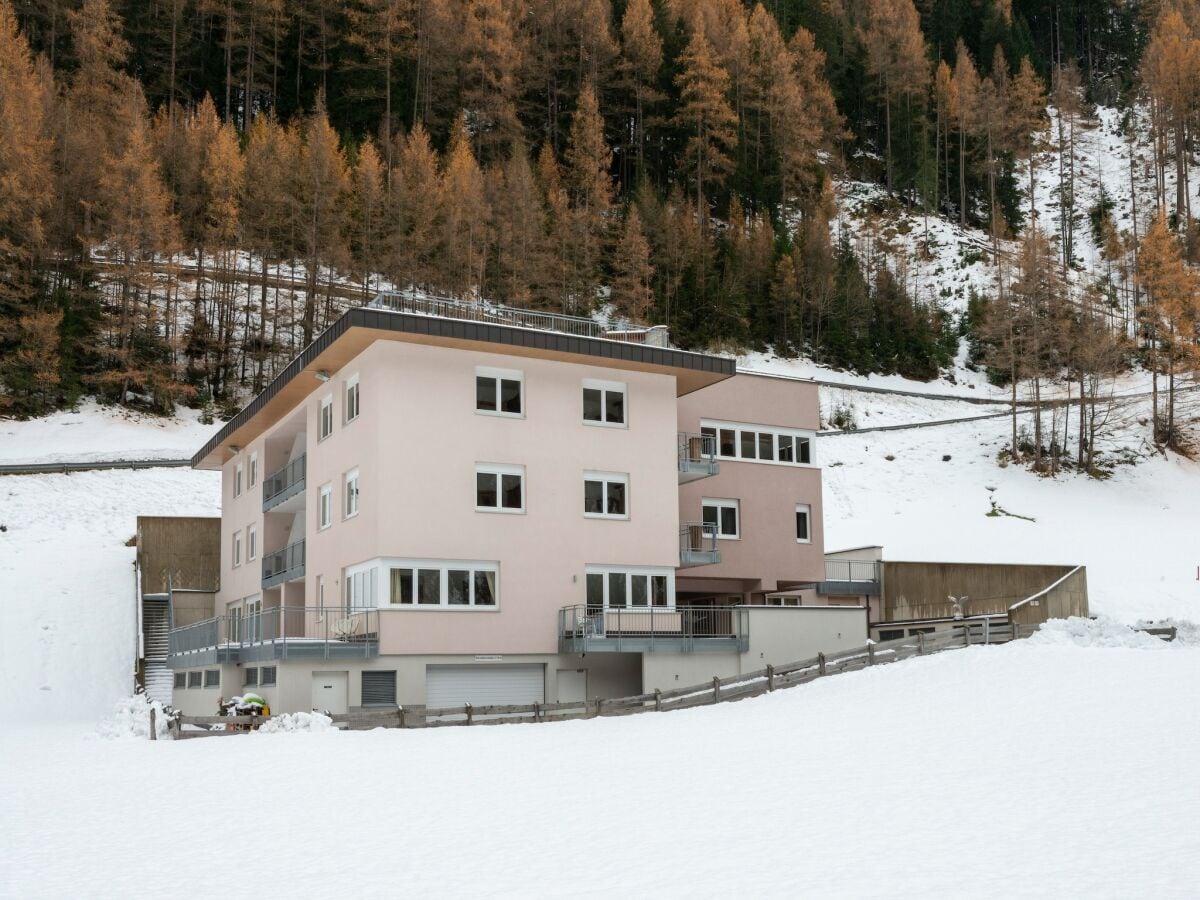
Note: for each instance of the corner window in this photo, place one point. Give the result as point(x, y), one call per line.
point(803, 525)
point(605, 496)
point(443, 584)
point(621, 588)
point(351, 494)
point(499, 488)
point(325, 507)
point(776, 445)
point(351, 400)
point(252, 542)
point(253, 469)
point(723, 516)
point(237, 480)
point(603, 402)
point(237, 549)
point(499, 392)
point(325, 418)
point(212, 678)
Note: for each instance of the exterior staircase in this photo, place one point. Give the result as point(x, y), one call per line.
point(155, 628)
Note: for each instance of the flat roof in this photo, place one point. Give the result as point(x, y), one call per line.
point(360, 327)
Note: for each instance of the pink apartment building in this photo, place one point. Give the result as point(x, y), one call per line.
point(432, 510)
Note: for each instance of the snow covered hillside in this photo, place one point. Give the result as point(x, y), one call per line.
point(67, 590)
point(1040, 768)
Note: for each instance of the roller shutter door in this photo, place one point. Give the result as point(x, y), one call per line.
point(484, 685)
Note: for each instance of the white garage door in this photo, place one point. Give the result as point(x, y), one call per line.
point(484, 685)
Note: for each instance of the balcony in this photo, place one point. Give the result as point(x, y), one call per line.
point(674, 629)
point(283, 565)
point(698, 545)
point(281, 486)
point(851, 578)
point(289, 632)
point(697, 456)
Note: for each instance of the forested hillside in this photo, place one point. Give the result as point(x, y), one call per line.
point(191, 189)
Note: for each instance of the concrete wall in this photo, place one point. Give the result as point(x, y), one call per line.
point(919, 590)
point(766, 553)
point(1067, 598)
point(183, 551)
point(788, 634)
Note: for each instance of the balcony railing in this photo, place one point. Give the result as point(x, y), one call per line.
point(697, 456)
point(852, 570)
point(277, 633)
point(284, 484)
point(698, 544)
point(638, 629)
point(497, 314)
point(283, 565)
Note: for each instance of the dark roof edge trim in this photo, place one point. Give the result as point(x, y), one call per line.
point(385, 320)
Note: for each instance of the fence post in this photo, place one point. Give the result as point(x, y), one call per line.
point(920, 643)
point(870, 654)
point(599, 703)
point(716, 689)
point(657, 700)
point(821, 663)
point(401, 713)
point(966, 635)
point(468, 708)
point(770, 677)
point(537, 712)
point(153, 729)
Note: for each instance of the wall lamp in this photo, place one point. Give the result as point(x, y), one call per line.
point(322, 375)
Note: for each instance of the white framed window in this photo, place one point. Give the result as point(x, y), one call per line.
point(238, 472)
point(350, 402)
point(499, 488)
point(778, 446)
point(360, 588)
point(253, 469)
point(233, 615)
point(629, 587)
point(803, 523)
point(724, 516)
point(325, 418)
point(237, 549)
point(604, 403)
point(252, 624)
point(499, 392)
point(325, 506)
point(606, 495)
point(350, 501)
point(252, 542)
point(443, 584)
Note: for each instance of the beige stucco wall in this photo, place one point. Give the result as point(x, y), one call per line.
point(766, 554)
point(781, 635)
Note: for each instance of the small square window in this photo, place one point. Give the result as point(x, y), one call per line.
point(267, 676)
point(722, 516)
point(605, 496)
point(250, 678)
point(212, 678)
point(181, 680)
point(499, 392)
point(499, 488)
point(604, 402)
point(194, 679)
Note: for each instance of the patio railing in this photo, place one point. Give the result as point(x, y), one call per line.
point(284, 483)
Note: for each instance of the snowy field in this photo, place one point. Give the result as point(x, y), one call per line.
point(1038, 769)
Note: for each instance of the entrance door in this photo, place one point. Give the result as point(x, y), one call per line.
point(572, 685)
point(330, 692)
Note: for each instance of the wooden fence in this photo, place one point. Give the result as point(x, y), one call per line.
point(719, 690)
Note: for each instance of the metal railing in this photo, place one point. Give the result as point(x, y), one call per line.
point(284, 483)
point(307, 630)
point(698, 544)
point(283, 565)
point(498, 314)
point(697, 454)
point(676, 627)
point(852, 570)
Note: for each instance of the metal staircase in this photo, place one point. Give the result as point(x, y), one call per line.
point(155, 628)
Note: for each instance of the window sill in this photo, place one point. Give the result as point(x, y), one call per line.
point(798, 541)
point(349, 516)
point(498, 414)
point(729, 537)
point(438, 607)
point(592, 424)
point(611, 518)
point(500, 509)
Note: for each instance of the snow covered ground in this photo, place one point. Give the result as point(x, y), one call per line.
point(1029, 770)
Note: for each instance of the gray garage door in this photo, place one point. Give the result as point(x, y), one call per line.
point(484, 685)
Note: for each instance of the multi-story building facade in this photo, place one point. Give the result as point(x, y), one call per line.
point(426, 510)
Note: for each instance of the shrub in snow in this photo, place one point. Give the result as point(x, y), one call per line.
point(299, 721)
point(1098, 632)
point(131, 719)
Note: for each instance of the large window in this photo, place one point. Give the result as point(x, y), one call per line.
point(499, 488)
point(351, 494)
point(446, 584)
point(351, 404)
point(770, 445)
point(724, 516)
point(603, 402)
point(605, 495)
point(803, 523)
point(498, 392)
point(325, 418)
point(616, 587)
point(325, 506)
